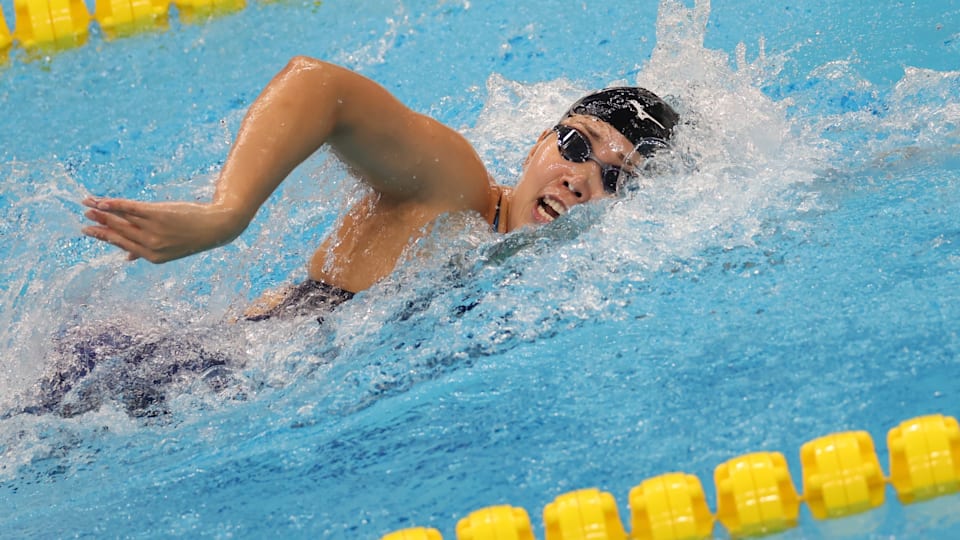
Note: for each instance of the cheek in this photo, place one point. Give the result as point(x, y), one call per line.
point(524, 198)
point(540, 169)
point(530, 184)
point(539, 156)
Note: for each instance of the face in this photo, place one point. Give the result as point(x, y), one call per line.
point(551, 185)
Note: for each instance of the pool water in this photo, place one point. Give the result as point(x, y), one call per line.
point(792, 271)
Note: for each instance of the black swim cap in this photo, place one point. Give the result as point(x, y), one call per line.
point(639, 114)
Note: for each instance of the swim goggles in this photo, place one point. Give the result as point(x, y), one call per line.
point(574, 146)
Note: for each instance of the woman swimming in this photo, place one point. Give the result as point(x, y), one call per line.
point(418, 169)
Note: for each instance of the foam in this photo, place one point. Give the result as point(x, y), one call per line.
point(743, 159)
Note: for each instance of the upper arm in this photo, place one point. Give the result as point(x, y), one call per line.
point(402, 154)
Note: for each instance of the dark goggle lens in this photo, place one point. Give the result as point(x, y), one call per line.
point(611, 179)
point(575, 147)
point(572, 144)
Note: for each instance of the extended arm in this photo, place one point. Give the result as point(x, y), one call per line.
point(401, 154)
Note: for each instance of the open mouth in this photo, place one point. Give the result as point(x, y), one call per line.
point(550, 209)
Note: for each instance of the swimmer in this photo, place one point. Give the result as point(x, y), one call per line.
point(418, 169)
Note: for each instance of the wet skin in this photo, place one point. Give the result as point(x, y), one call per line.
point(417, 169)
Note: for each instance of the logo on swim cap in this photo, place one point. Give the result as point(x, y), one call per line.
point(640, 115)
point(643, 114)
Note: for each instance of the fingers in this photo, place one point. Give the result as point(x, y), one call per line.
point(113, 229)
point(157, 232)
point(118, 224)
point(123, 223)
point(110, 236)
point(124, 207)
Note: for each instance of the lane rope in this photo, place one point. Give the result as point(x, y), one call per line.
point(53, 25)
point(755, 493)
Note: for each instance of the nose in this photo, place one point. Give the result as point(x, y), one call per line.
point(579, 182)
point(573, 189)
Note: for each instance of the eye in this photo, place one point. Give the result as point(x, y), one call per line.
point(611, 179)
point(572, 144)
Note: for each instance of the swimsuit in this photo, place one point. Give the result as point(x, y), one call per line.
point(94, 364)
point(110, 362)
point(309, 296)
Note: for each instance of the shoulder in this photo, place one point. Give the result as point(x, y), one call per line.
point(462, 178)
point(425, 161)
point(406, 156)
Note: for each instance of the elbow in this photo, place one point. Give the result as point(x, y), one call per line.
point(305, 64)
point(310, 79)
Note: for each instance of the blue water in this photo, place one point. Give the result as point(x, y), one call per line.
point(792, 272)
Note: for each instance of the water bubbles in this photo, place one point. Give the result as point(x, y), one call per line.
point(752, 156)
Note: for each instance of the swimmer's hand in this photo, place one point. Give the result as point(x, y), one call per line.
point(161, 231)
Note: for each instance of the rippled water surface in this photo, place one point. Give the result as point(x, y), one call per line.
point(792, 271)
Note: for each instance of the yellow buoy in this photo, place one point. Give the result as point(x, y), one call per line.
point(671, 506)
point(51, 22)
point(841, 475)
